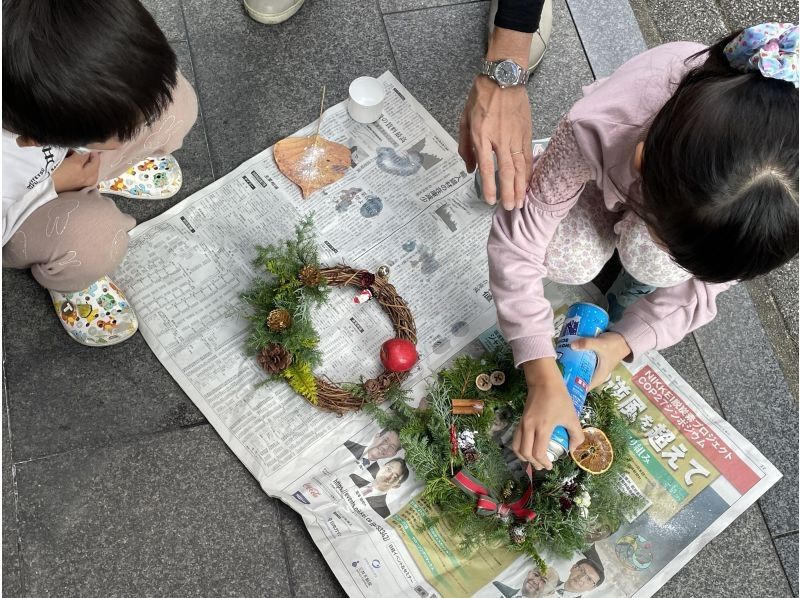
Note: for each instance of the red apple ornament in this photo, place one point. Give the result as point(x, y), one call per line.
point(398, 355)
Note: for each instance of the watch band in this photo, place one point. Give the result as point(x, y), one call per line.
point(488, 67)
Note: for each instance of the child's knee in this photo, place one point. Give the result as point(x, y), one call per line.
point(573, 270)
point(85, 236)
point(166, 135)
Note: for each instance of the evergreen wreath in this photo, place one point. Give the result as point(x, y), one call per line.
point(440, 447)
point(282, 337)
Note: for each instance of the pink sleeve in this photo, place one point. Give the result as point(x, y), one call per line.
point(518, 242)
point(664, 317)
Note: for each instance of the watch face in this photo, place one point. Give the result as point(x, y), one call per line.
point(506, 73)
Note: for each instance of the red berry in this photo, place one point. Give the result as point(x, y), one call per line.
point(398, 355)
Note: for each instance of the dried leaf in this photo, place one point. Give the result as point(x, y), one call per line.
point(311, 162)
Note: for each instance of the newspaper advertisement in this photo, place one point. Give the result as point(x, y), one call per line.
point(406, 203)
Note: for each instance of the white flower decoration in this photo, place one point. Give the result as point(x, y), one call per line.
point(583, 501)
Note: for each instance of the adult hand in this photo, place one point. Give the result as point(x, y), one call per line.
point(548, 405)
point(498, 121)
point(610, 347)
point(77, 171)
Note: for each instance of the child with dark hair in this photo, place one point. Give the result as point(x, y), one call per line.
point(684, 161)
point(92, 102)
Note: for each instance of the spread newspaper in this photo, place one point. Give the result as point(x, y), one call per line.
point(408, 203)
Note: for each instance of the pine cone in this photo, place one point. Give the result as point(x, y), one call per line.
point(508, 489)
point(517, 534)
point(310, 276)
point(279, 319)
point(274, 358)
point(372, 386)
point(471, 456)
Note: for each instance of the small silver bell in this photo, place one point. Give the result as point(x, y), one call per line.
point(383, 271)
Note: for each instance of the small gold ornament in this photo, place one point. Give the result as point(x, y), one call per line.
point(309, 276)
point(383, 271)
point(279, 319)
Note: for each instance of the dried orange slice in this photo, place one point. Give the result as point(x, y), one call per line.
point(595, 454)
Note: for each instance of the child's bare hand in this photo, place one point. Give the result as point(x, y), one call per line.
point(548, 405)
point(610, 347)
point(77, 171)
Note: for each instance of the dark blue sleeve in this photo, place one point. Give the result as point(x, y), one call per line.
point(519, 15)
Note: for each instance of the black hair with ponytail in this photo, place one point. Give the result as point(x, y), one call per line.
point(719, 183)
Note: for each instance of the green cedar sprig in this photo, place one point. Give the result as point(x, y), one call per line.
point(280, 287)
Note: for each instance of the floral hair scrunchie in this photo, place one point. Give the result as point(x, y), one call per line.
point(770, 48)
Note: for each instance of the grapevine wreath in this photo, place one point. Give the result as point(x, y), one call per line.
point(284, 341)
point(486, 496)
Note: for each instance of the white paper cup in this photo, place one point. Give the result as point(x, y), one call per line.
point(366, 99)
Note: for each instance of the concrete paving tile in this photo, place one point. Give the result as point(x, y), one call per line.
point(740, 13)
point(619, 38)
point(558, 81)
point(787, 550)
point(168, 16)
point(741, 561)
point(267, 81)
point(754, 397)
point(439, 69)
point(782, 336)
point(309, 574)
point(389, 6)
point(686, 359)
point(647, 25)
point(684, 20)
point(168, 515)
point(193, 158)
point(783, 284)
point(12, 582)
point(417, 45)
point(63, 395)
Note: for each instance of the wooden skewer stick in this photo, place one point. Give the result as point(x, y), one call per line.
point(321, 109)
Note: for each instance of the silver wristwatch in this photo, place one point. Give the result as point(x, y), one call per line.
point(506, 73)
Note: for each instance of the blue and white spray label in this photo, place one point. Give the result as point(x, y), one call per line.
point(577, 367)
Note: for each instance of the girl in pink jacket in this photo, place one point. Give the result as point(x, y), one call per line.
point(684, 161)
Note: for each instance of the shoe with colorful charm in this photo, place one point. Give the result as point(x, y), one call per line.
point(98, 316)
point(152, 178)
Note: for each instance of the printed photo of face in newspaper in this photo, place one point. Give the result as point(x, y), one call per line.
point(389, 477)
point(535, 585)
point(384, 445)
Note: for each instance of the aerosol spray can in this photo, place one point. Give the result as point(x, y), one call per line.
point(577, 367)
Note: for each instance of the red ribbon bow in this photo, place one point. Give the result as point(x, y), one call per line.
point(487, 505)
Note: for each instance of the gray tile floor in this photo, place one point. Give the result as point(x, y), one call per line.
point(113, 482)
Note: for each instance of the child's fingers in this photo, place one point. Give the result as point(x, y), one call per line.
point(576, 436)
point(540, 459)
